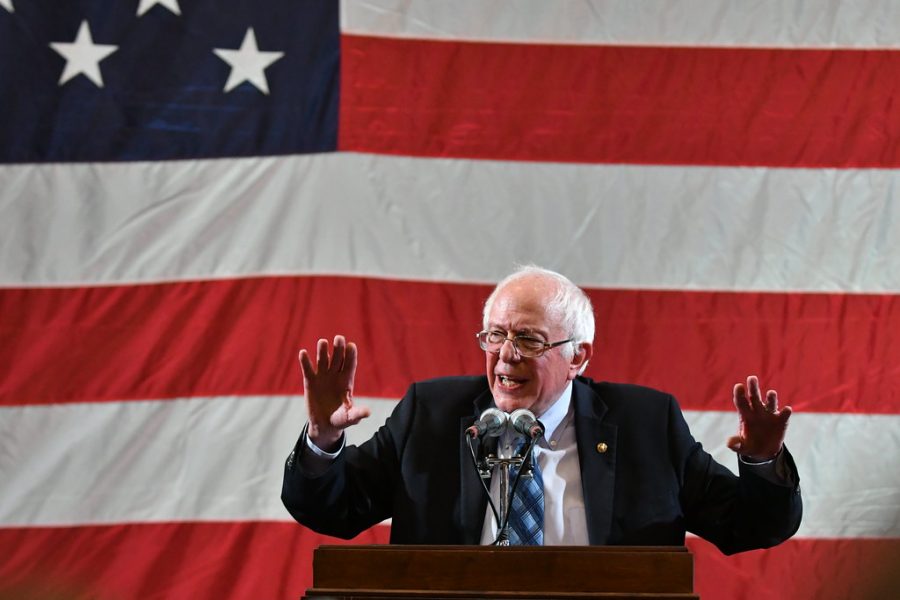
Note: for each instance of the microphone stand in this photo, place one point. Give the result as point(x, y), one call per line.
point(490, 461)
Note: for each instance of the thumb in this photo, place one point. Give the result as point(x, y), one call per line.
point(734, 443)
point(357, 414)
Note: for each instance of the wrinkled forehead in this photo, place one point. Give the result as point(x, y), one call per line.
point(526, 304)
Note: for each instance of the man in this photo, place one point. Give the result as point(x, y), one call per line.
point(617, 462)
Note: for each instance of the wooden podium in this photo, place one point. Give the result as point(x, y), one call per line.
point(379, 572)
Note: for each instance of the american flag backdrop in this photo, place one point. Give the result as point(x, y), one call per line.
point(192, 190)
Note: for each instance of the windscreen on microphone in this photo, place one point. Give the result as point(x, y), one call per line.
point(491, 423)
point(524, 421)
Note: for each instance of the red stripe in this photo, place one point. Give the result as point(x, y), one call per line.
point(620, 104)
point(800, 569)
point(823, 352)
point(164, 560)
point(273, 560)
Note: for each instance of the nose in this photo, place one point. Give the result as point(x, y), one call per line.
point(508, 351)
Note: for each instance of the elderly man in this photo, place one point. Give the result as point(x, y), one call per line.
point(617, 463)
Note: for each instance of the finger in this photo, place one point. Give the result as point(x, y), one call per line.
point(350, 363)
point(337, 359)
point(785, 414)
point(734, 443)
point(771, 401)
point(306, 365)
point(741, 402)
point(322, 355)
point(755, 395)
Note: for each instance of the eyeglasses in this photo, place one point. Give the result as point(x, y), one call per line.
point(526, 346)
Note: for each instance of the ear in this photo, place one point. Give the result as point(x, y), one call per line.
point(580, 359)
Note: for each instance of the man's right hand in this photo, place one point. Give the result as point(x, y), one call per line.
point(328, 386)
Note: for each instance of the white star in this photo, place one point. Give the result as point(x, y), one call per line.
point(146, 5)
point(83, 56)
point(248, 63)
point(7, 4)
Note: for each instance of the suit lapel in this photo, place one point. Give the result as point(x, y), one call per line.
point(597, 456)
point(473, 501)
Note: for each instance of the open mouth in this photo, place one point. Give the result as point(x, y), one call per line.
point(510, 383)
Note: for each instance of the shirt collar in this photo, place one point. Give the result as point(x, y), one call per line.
point(553, 416)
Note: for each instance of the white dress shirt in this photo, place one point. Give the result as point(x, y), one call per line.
point(565, 521)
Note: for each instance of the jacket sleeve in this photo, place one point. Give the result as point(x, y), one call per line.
point(736, 513)
point(356, 491)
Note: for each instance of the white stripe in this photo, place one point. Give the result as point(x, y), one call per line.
point(615, 226)
point(221, 459)
point(113, 462)
point(753, 23)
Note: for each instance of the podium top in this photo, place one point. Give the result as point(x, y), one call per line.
point(381, 571)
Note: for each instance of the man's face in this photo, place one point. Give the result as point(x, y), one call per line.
point(520, 308)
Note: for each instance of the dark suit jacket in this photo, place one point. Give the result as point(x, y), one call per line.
point(653, 483)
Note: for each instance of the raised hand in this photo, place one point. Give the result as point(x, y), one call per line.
point(329, 391)
point(762, 427)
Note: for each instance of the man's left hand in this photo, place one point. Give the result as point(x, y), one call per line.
point(762, 427)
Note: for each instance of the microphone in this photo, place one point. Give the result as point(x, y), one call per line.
point(491, 423)
point(524, 421)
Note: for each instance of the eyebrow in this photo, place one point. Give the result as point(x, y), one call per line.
point(527, 331)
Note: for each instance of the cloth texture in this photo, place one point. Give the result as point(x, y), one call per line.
point(646, 481)
point(526, 508)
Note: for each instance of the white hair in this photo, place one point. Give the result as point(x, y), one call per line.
point(570, 301)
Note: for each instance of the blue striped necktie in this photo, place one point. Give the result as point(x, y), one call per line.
point(526, 512)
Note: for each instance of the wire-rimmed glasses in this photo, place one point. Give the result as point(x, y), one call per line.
point(526, 346)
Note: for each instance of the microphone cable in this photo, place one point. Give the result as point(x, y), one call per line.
point(483, 484)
